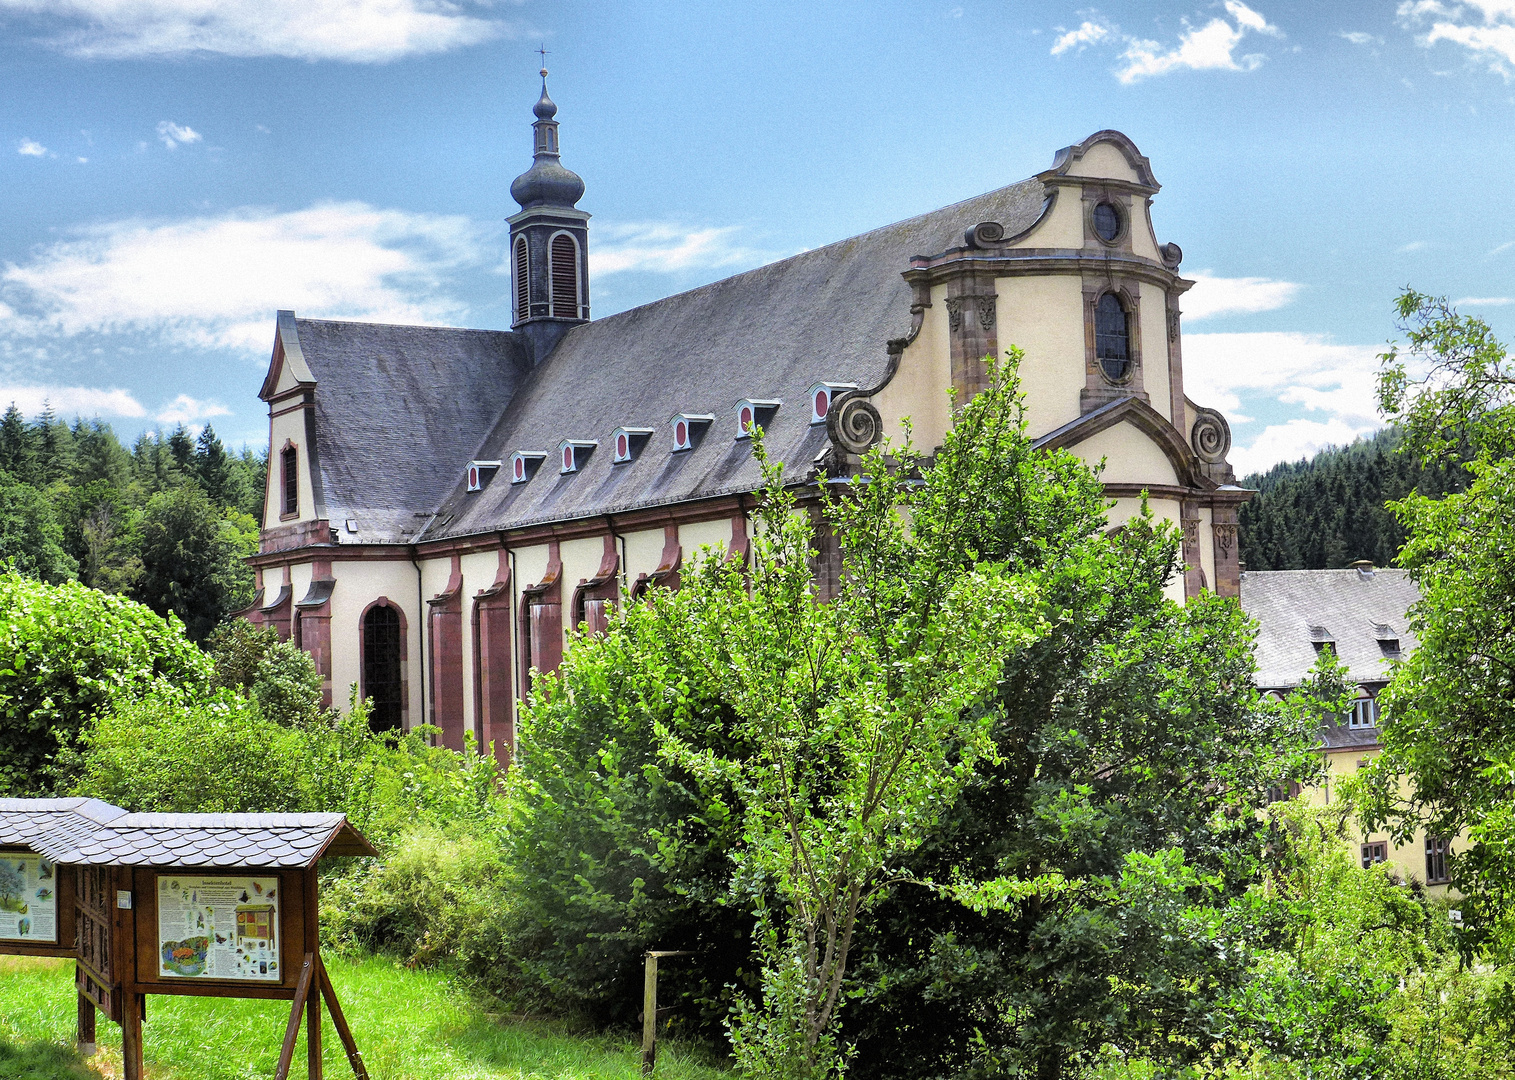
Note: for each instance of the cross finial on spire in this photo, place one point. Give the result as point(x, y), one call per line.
point(543, 50)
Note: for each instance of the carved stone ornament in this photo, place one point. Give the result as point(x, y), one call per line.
point(1191, 536)
point(854, 424)
point(984, 234)
point(955, 313)
point(986, 312)
point(1225, 535)
point(1211, 436)
point(1172, 324)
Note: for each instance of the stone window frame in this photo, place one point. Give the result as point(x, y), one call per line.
point(1093, 195)
point(1128, 291)
point(386, 602)
point(289, 452)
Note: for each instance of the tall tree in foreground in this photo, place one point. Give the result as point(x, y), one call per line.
point(1449, 722)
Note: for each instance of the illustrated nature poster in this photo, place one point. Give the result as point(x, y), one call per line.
point(28, 899)
point(218, 928)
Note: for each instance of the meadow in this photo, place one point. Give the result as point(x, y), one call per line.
point(410, 1025)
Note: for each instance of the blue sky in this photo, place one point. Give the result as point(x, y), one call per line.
point(172, 171)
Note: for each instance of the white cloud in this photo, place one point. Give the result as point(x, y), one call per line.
point(1358, 37)
point(1086, 33)
point(1307, 371)
point(190, 411)
point(1210, 47)
point(1413, 245)
point(216, 281)
point(1291, 441)
point(361, 31)
point(1484, 301)
point(31, 148)
point(661, 248)
point(1213, 295)
point(173, 135)
point(1485, 28)
point(71, 401)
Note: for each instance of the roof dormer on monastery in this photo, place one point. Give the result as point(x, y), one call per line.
point(445, 505)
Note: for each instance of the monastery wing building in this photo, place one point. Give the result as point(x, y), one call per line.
point(445, 505)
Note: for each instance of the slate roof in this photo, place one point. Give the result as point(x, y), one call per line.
point(24, 821)
point(822, 316)
point(92, 833)
point(398, 409)
point(1353, 609)
point(402, 410)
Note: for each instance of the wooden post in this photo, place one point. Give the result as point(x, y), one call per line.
point(132, 1004)
point(86, 1026)
point(650, 1007)
point(313, 950)
point(649, 1013)
point(292, 1029)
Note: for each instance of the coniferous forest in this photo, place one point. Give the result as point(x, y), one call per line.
point(1327, 511)
point(168, 522)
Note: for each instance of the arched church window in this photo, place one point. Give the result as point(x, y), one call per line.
point(1112, 338)
point(383, 679)
point(523, 279)
point(565, 277)
point(289, 467)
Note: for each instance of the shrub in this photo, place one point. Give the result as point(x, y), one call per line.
point(68, 653)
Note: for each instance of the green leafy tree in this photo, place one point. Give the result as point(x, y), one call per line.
point(31, 541)
point(192, 558)
point(67, 653)
point(1448, 723)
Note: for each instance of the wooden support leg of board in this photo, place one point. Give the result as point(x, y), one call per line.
point(313, 1029)
point(292, 1031)
point(649, 1013)
point(339, 1021)
point(86, 1026)
point(131, 1035)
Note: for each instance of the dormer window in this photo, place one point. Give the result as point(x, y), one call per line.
point(573, 453)
point(480, 473)
point(524, 464)
point(627, 442)
point(687, 429)
point(1322, 640)
point(821, 396)
point(1364, 712)
point(1388, 639)
point(752, 413)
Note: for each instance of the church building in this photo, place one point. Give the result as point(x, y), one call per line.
point(445, 506)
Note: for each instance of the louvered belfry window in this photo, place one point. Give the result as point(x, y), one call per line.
point(523, 280)
point(565, 277)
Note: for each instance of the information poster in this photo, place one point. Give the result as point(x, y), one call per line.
point(218, 928)
point(28, 899)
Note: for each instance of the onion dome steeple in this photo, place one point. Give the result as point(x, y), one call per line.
point(547, 182)
point(549, 241)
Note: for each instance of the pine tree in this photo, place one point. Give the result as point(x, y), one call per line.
point(17, 455)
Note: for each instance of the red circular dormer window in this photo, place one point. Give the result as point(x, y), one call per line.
point(745, 419)
point(473, 478)
point(520, 469)
point(822, 402)
point(681, 434)
point(620, 447)
point(568, 459)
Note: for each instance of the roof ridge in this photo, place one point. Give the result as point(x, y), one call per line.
point(798, 255)
point(404, 326)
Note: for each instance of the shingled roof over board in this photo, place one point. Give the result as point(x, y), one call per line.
point(826, 315)
point(87, 832)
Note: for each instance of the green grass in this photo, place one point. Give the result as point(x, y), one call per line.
point(409, 1025)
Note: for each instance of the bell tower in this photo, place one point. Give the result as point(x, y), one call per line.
point(549, 241)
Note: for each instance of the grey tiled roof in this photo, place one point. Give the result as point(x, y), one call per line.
point(1351, 608)
point(23, 821)
point(398, 409)
point(93, 833)
point(395, 435)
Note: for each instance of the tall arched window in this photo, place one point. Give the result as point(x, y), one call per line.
point(565, 277)
point(289, 468)
point(1112, 338)
point(383, 677)
point(523, 279)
